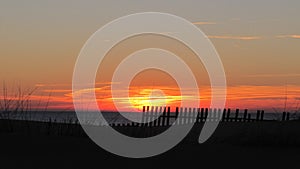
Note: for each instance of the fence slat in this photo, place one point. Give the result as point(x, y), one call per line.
point(206, 114)
point(228, 115)
point(283, 116)
point(198, 115)
point(185, 117)
point(262, 115)
point(245, 114)
point(214, 115)
point(194, 115)
point(157, 116)
point(168, 116)
point(202, 115)
point(224, 115)
point(219, 118)
point(257, 115)
point(236, 118)
point(189, 118)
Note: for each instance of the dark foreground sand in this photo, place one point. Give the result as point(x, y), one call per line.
point(234, 145)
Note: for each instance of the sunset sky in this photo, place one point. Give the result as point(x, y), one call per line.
point(258, 42)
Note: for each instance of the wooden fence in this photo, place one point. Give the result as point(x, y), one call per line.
point(152, 116)
point(162, 116)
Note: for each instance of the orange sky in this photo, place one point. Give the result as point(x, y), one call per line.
point(258, 45)
point(252, 97)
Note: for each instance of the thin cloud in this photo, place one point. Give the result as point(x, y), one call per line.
point(168, 33)
point(235, 37)
point(289, 36)
point(204, 23)
point(57, 90)
point(275, 75)
point(50, 85)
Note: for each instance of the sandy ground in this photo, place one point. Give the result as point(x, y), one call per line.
point(232, 146)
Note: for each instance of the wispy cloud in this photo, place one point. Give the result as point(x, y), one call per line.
point(204, 23)
point(234, 37)
point(57, 90)
point(289, 36)
point(275, 75)
point(169, 33)
point(52, 85)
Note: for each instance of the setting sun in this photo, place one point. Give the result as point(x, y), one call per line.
point(149, 97)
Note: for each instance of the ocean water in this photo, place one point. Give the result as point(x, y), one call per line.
point(71, 117)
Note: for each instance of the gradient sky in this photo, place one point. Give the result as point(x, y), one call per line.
point(258, 42)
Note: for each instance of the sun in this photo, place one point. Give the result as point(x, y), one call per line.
point(149, 97)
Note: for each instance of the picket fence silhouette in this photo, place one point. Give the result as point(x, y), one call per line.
point(194, 115)
point(162, 116)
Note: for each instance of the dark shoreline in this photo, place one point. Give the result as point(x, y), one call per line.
point(234, 145)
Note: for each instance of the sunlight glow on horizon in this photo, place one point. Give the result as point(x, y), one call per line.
point(251, 97)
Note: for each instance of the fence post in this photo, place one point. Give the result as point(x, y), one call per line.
point(236, 115)
point(189, 116)
point(156, 116)
point(144, 107)
point(146, 122)
point(210, 115)
point(245, 114)
point(164, 116)
point(257, 115)
point(228, 115)
point(194, 117)
point(219, 116)
point(283, 116)
point(182, 115)
point(249, 117)
point(150, 118)
point(262, 115)
point(206, 114)
point(143, 116)
point(159, 118)
point(224, 115)
point(185, 117)
point(287, 116)
point(202, 115)
point(176, 115)
point(168, 116)
point(198, 115)
point(215, 115)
